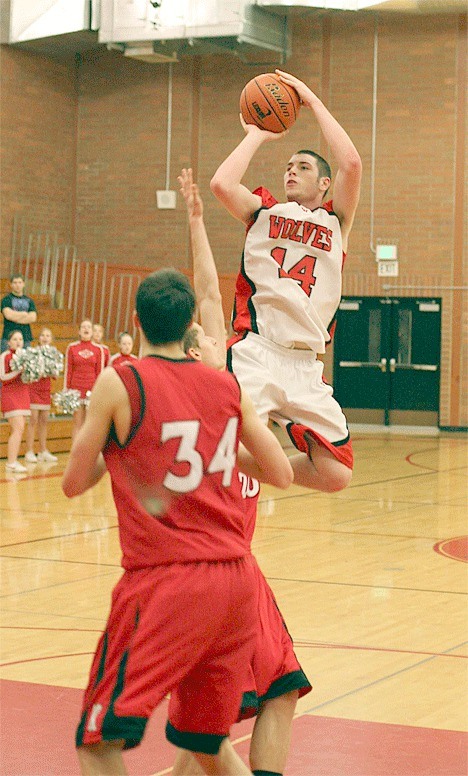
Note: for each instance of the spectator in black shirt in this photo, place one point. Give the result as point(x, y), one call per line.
point(18, 311)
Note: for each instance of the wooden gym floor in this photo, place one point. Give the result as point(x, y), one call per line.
point(372, 582)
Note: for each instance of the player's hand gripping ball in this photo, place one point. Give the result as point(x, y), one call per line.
point(269, 103)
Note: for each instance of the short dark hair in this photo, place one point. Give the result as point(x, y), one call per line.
point(16, 275)
point(324, 169)
point(165, 304)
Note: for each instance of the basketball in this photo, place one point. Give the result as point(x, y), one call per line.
point(269, 103)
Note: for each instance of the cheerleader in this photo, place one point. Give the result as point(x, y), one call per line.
point(39, 393)
point(125, 355)
point(84, 361)
point(98, 336)
point(15, 401)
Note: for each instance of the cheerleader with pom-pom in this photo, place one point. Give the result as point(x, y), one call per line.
point(39, 393)
point(15, 400)
point(84, 361)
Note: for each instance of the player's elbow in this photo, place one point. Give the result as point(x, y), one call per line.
point(69, 487)
point(72, 489)
point(71, 482)
point(218, 186)
point(353, 163)
point(284, 476)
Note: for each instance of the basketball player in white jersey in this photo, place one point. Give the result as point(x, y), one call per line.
point(277, 679)
point(289, 288)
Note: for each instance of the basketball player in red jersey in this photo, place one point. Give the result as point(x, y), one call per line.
point(168, 428)
point(277, 679)
point(289, 289)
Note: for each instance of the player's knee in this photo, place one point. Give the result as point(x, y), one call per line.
point(337, 479)
point(99, 750)
point(287, 699)
point(281, 706)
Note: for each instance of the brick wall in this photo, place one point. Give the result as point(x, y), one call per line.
point(121, 150)
point(38, 136)
point(122, 159)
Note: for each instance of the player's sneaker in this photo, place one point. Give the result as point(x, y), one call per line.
point(47, 457)
point(30, 457)
point(16, 467)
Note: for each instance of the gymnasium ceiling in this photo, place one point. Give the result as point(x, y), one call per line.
point(63, 46)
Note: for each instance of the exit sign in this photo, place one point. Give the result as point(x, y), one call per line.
point(387, 269)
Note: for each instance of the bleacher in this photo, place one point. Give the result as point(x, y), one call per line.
point(64, 331)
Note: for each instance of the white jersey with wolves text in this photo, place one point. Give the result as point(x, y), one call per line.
point(289, 286)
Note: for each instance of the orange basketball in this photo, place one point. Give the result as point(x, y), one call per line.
point(269, 103)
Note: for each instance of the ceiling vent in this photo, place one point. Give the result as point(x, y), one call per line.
point(176, 28)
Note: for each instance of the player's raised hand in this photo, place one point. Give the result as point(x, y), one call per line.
point(306, 95)
point(263, 133)
point(190, 193)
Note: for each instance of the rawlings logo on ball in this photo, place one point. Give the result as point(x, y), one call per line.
point(261, 114)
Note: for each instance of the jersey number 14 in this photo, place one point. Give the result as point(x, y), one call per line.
point(302, 271)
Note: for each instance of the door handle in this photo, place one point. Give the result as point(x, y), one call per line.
point(416, 367)
point(382, 364)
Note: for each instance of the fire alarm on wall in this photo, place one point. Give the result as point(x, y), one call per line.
point(166, 200)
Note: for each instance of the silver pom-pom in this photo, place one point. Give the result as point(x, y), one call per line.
point(30, 362)
point(52, 360)
point(67, 400)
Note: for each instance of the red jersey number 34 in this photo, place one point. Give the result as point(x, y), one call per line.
point(224, 459)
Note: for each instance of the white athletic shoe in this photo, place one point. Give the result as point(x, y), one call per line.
point(16, 467)
point(30, 457)
point(47, 457)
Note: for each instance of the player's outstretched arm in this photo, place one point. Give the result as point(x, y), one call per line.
point(226, 182)
point(347, 183)
point(205, 275)
point(273, 464)
point(108, 404)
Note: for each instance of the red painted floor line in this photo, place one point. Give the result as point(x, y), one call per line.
point(320, 645)
point(36, 627)
point(455, 549)
point(38, 659)
point(25, 477)
point(419, 465)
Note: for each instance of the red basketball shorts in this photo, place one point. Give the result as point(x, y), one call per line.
point(275, 669)
point(189, 626)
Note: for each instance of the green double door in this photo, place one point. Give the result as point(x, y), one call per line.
point(387, 359)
